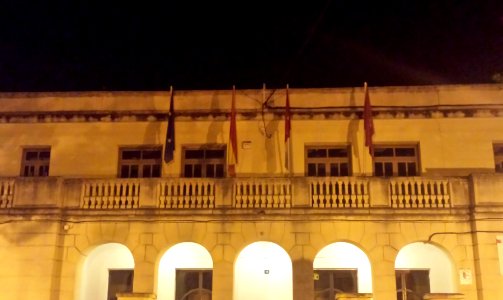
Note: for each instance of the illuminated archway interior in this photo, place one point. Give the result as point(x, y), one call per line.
point(181, 256)
point(343, 255)
point(427, 256)
point(94, 276)
point(263, 270)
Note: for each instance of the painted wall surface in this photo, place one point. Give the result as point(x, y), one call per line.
point(181, 256)
point(343, 255)
point(428, 256)
point(94, 284)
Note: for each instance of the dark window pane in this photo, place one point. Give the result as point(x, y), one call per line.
point(316, 152)
point(198, 171)
point(188, 171)
point(210, 171)
point(339, 152)
point(207, 280)
point(311, 169)
point(220, 171)
point(344, 169)
point(26, 171)
point(388, 169)
point(383, 152)
point(133, 171)
point(194, 154)
point(215, 153)
point(402, 169)
point(411, 168)
point(156, 171)
point(334, 169)
point(152, 154)
point(345, 280)
point(321, 170)
point(45, 155)
point(498, 150)
point(378, 169)
point(405, 152)
point(31, 155)
point(119, 281)
point(124, 171)
point(43, 171)
point(146, 171)
point(131, 154)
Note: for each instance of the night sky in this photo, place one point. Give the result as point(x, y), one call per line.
point(145, 45)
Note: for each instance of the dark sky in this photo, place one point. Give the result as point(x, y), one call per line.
point(146, 45)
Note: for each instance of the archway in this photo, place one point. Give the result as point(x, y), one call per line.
point(428, 266)
point(263, 270)
point(342, 267)
point(99, 268)
point(181, 263)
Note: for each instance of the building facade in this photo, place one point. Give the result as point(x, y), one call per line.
point(89, 209)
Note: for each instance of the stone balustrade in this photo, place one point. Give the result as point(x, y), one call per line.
point(251, 193)
point(6, 192)
point(419, 192)
point(335, 192)
point(262, 193)
point(187, 193)
point(110, 194)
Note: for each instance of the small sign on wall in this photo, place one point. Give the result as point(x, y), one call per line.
point(465, 276)
point(499, 244)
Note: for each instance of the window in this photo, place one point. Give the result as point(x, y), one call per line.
point(396, 161)
point(119, 281)
point(204, 161)
point(412, 284)
point(140, 162)
point(498, 157)
point(35, 162)
point(327, 161)
point(193, 284)
point(327, 283)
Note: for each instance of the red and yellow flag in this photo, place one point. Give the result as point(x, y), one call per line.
point(232, 156)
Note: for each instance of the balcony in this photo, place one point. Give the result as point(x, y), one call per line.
point(330, 193)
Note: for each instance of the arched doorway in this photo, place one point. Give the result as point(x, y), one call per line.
point(185, 273)
point(107, 270)
point(341, 267)
point(423, 268)
point(263, 270)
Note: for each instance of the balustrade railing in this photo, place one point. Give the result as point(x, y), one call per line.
point(333, 192)
point(187, 193)
point(262, 193)
point(6, 193)
point(110, 194)
point(417, 192)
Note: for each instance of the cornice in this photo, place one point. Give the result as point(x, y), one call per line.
point(270, 113)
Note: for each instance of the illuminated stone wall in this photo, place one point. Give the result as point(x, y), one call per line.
point(46, 234)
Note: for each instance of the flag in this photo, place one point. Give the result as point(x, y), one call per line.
point(169, 147)
point(368, 123)
point(233, 139)
point(287, 130)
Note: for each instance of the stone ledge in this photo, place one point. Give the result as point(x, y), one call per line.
point(136, 296)
point(443, 296)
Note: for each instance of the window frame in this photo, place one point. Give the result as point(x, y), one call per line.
point(37, 163)
point(332, 290)
point(204, 162)
point(200, 280)
point(402, 275)
point(128, 289)
point(141, 162)
point(327, 160)
point(395, 160)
